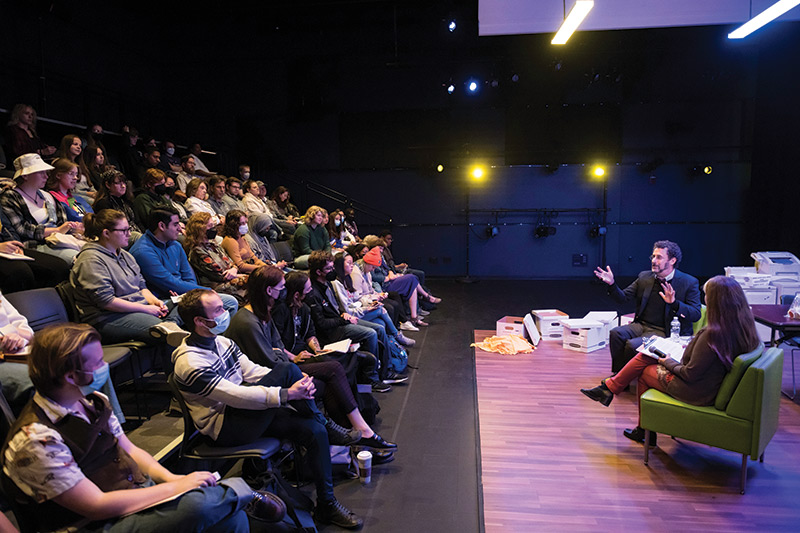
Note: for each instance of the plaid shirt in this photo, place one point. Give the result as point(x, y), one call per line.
point(21, 224)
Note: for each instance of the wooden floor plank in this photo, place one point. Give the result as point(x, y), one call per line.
point(553, 460)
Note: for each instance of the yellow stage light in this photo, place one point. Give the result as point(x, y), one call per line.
point(707, 169)
point(477, 173)
point(598, 171)
point(440, 168)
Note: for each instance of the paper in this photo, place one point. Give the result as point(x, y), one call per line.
point(216, 475)
point(666, 346)
point(17, 357)
point(342, 346)
point(18, 257)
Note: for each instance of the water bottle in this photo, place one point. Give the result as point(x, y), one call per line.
point(675, 330)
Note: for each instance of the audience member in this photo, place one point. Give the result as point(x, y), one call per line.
point(200, 168)
point(696, 379)
point(31, 214)
point(212, 265)
point(333, 323)
point(21, 136)
point(196, 200)
point(350, 222)
point(339, 236)
point(111, 195)
point(163, 261)
point(150, 159)
point(398, 268)
point(170, 163)
point(94, 158)
point(233, 193)
point(71, 149)
point(679, 296)
point(18, 274)
point(253, 330)
point(65, 481)
point(252, 203)
point(281, 205)
point(152, 195)
point(234, 401)
point(60, 184)
point(187, 173)
point(130, 156)
point(176, 198)
point(216, 196)
point(361, 277)
point(244, 172)
point(15, 337)
point(110, 292)
point(243, 250)
point(310, 236)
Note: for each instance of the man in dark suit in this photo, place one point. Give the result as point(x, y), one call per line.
point(661, 293)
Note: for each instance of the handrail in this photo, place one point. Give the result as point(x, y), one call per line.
point(340, 197)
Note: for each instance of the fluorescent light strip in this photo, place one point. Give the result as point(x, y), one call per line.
point(768, 15)
point(573, 20)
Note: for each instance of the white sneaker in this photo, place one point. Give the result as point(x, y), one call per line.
point(405, 341)
point(423, 312)
point(408, 326)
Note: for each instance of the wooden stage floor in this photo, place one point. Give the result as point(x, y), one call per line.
point(553, 460)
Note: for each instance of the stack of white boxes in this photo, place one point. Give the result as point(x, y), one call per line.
point(589, 333)
point(548, 322)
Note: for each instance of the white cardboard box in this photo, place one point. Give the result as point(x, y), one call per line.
point(511, 325)
point(583, 335)
point(548, 322)
point(607, 318)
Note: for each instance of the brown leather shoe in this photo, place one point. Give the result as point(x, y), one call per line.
point(265, 507)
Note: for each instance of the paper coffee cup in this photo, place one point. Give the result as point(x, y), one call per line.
point(364, 462)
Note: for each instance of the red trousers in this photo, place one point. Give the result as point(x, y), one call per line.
point(641, 367)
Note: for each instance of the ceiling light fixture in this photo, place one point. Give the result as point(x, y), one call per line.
point(765, 17)
point(573, 20)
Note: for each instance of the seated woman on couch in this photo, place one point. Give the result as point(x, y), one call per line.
point(696, 379)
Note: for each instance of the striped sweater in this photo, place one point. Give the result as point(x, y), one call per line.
point(210, 379)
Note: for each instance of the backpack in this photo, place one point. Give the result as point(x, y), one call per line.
point(398, 358)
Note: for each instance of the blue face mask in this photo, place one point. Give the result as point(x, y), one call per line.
point(222, 322)
point(337, 222)
point(99, 378)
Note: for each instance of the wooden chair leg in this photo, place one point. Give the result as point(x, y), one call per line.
point(744, 473)
point(646, 445)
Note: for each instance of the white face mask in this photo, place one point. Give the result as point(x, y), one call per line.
point(242, 229)
point(246, 175)
point(171, 151)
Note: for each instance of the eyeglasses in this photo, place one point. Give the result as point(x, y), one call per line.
point(123, 230)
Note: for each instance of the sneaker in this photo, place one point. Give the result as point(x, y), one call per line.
point(337, 514)
point(339, 436)
point(380, 386)
point(171, 332)
point(408, 326)
point(376, 442)
point(394, 377)
point(423, 312)
point(265, 507)
point(405, 341)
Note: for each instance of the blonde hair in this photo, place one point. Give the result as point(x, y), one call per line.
point(311, 212)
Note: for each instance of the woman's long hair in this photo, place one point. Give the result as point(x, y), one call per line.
point(61, 166)
point(731, 328)
point(231, 226)
point(338, 266)
point(295, 283)
point(195, 230)
point(261, 302)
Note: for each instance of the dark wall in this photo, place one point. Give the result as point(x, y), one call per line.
point(353, 95)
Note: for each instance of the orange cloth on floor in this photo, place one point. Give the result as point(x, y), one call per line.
point(505, 344)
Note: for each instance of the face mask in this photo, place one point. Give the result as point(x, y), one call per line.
point(170, 190)
point(331, 276)
point(160, 189)
point(211, 234)
point(171, 151)
point(281, 295)
point(243, 229)
point(246, 175)
point(337, 222)
point(221, 323)
point(99, 378)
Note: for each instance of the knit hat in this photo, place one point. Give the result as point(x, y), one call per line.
point(28, 164)
point(373, 257)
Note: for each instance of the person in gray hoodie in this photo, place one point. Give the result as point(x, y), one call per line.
point(110, 292)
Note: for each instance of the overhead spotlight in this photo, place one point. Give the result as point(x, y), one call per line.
point(698, 170)
point(451, 89)
point(515, 78)
point(597, 231)
point(598, 171)
point(491, 231)
point(543, 231)
point(477, 172)
point(440, 168)
point(472, 85)
point(707, 169)
point(452, 26)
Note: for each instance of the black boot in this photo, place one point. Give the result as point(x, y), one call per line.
point(600, 394)
point(637, 434)
point(339, 436)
